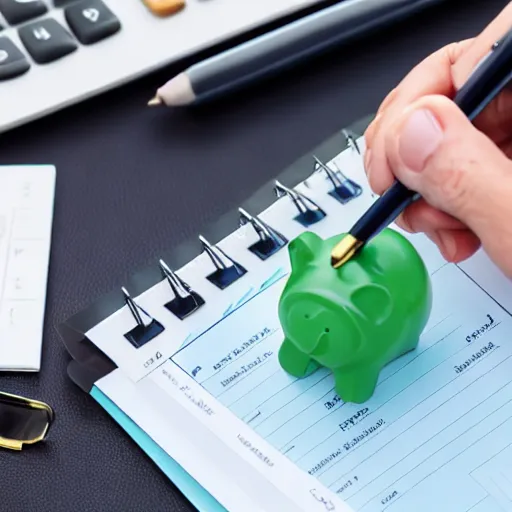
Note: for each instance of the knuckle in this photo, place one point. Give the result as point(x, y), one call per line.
point(450, 179)
point(454, 50)
point(372, 130)
point(388, 100)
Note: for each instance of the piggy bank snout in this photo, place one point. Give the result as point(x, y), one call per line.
point(319, 327)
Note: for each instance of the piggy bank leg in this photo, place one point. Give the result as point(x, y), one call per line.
point(412, 344)
point(357, 385)
point(409, 345)
point(295, 362)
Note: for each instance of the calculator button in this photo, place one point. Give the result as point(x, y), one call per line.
point(12, 62)
point(164, 7)
point(19, 11)
point(91, 21)
point(47, 40)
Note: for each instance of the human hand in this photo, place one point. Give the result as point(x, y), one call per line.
point(462, 170)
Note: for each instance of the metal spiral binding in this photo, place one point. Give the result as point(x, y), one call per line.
point(344, 189)
point(351, 141)
point(227, 270)
point(185, 301)
point(270, 240)
point(147, 327)
point(309, 211)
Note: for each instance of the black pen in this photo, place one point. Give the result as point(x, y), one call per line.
point(488, 79)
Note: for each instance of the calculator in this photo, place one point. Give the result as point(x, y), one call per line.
point(54, 53)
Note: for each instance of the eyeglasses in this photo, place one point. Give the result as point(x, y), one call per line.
point(23, 421)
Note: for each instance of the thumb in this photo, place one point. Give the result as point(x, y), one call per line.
point(435, 150)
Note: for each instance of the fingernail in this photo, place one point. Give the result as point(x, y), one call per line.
point(448, 245)
point(403, 222)
point(420, 137)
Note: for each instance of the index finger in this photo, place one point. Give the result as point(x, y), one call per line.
point(481, 45)
point(446, 70)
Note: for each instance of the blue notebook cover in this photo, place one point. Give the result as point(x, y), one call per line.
point(192, 490)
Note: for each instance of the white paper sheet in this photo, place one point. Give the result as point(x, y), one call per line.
point(26, 217)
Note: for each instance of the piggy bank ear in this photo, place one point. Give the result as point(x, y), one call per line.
point(304, 249)
point(373, 302)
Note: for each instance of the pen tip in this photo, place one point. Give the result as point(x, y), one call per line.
point(344, 250)
point(154, 101)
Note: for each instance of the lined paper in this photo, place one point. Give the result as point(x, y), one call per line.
point(434, 436)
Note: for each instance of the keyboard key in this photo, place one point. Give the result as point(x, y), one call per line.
point(61, 3)
point(164, 7)
point(12, 62)
point(19, 11)
point(91, 21)
point(47, 40)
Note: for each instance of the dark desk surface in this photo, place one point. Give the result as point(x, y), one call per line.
point(132, 181)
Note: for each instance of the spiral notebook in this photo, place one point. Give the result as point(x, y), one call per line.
point(183, 357)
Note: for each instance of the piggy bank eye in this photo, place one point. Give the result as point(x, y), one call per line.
point(373, 302)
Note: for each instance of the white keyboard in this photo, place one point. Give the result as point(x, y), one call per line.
point(54, 53)
point(26, 217)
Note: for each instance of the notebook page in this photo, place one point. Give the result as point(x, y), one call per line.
point(109, 335)
point(442, 410)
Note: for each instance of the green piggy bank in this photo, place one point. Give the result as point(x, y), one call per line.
point(356, 319)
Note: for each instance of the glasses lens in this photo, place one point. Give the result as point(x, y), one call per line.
point(22, 421)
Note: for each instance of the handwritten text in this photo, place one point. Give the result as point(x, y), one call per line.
point(325, 461)
point(348, 483)
point(481, 330)
point(353, 420)
point(188, 393)
point(475, 357)
point(364, 434)
point(255, 450)
point(244, 346)
point(245, 368)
